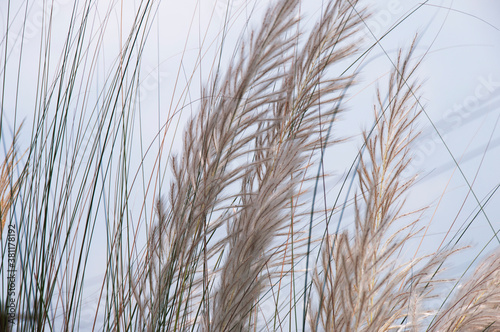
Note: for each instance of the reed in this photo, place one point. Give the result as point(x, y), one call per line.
point(239, 242)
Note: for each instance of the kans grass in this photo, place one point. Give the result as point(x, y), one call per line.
point(231, 237)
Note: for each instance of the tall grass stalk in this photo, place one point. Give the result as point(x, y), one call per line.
point(237, 241)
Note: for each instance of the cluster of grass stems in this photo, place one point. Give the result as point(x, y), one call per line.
point(237, 243)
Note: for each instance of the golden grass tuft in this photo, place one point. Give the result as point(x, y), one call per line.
point(9, 187)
